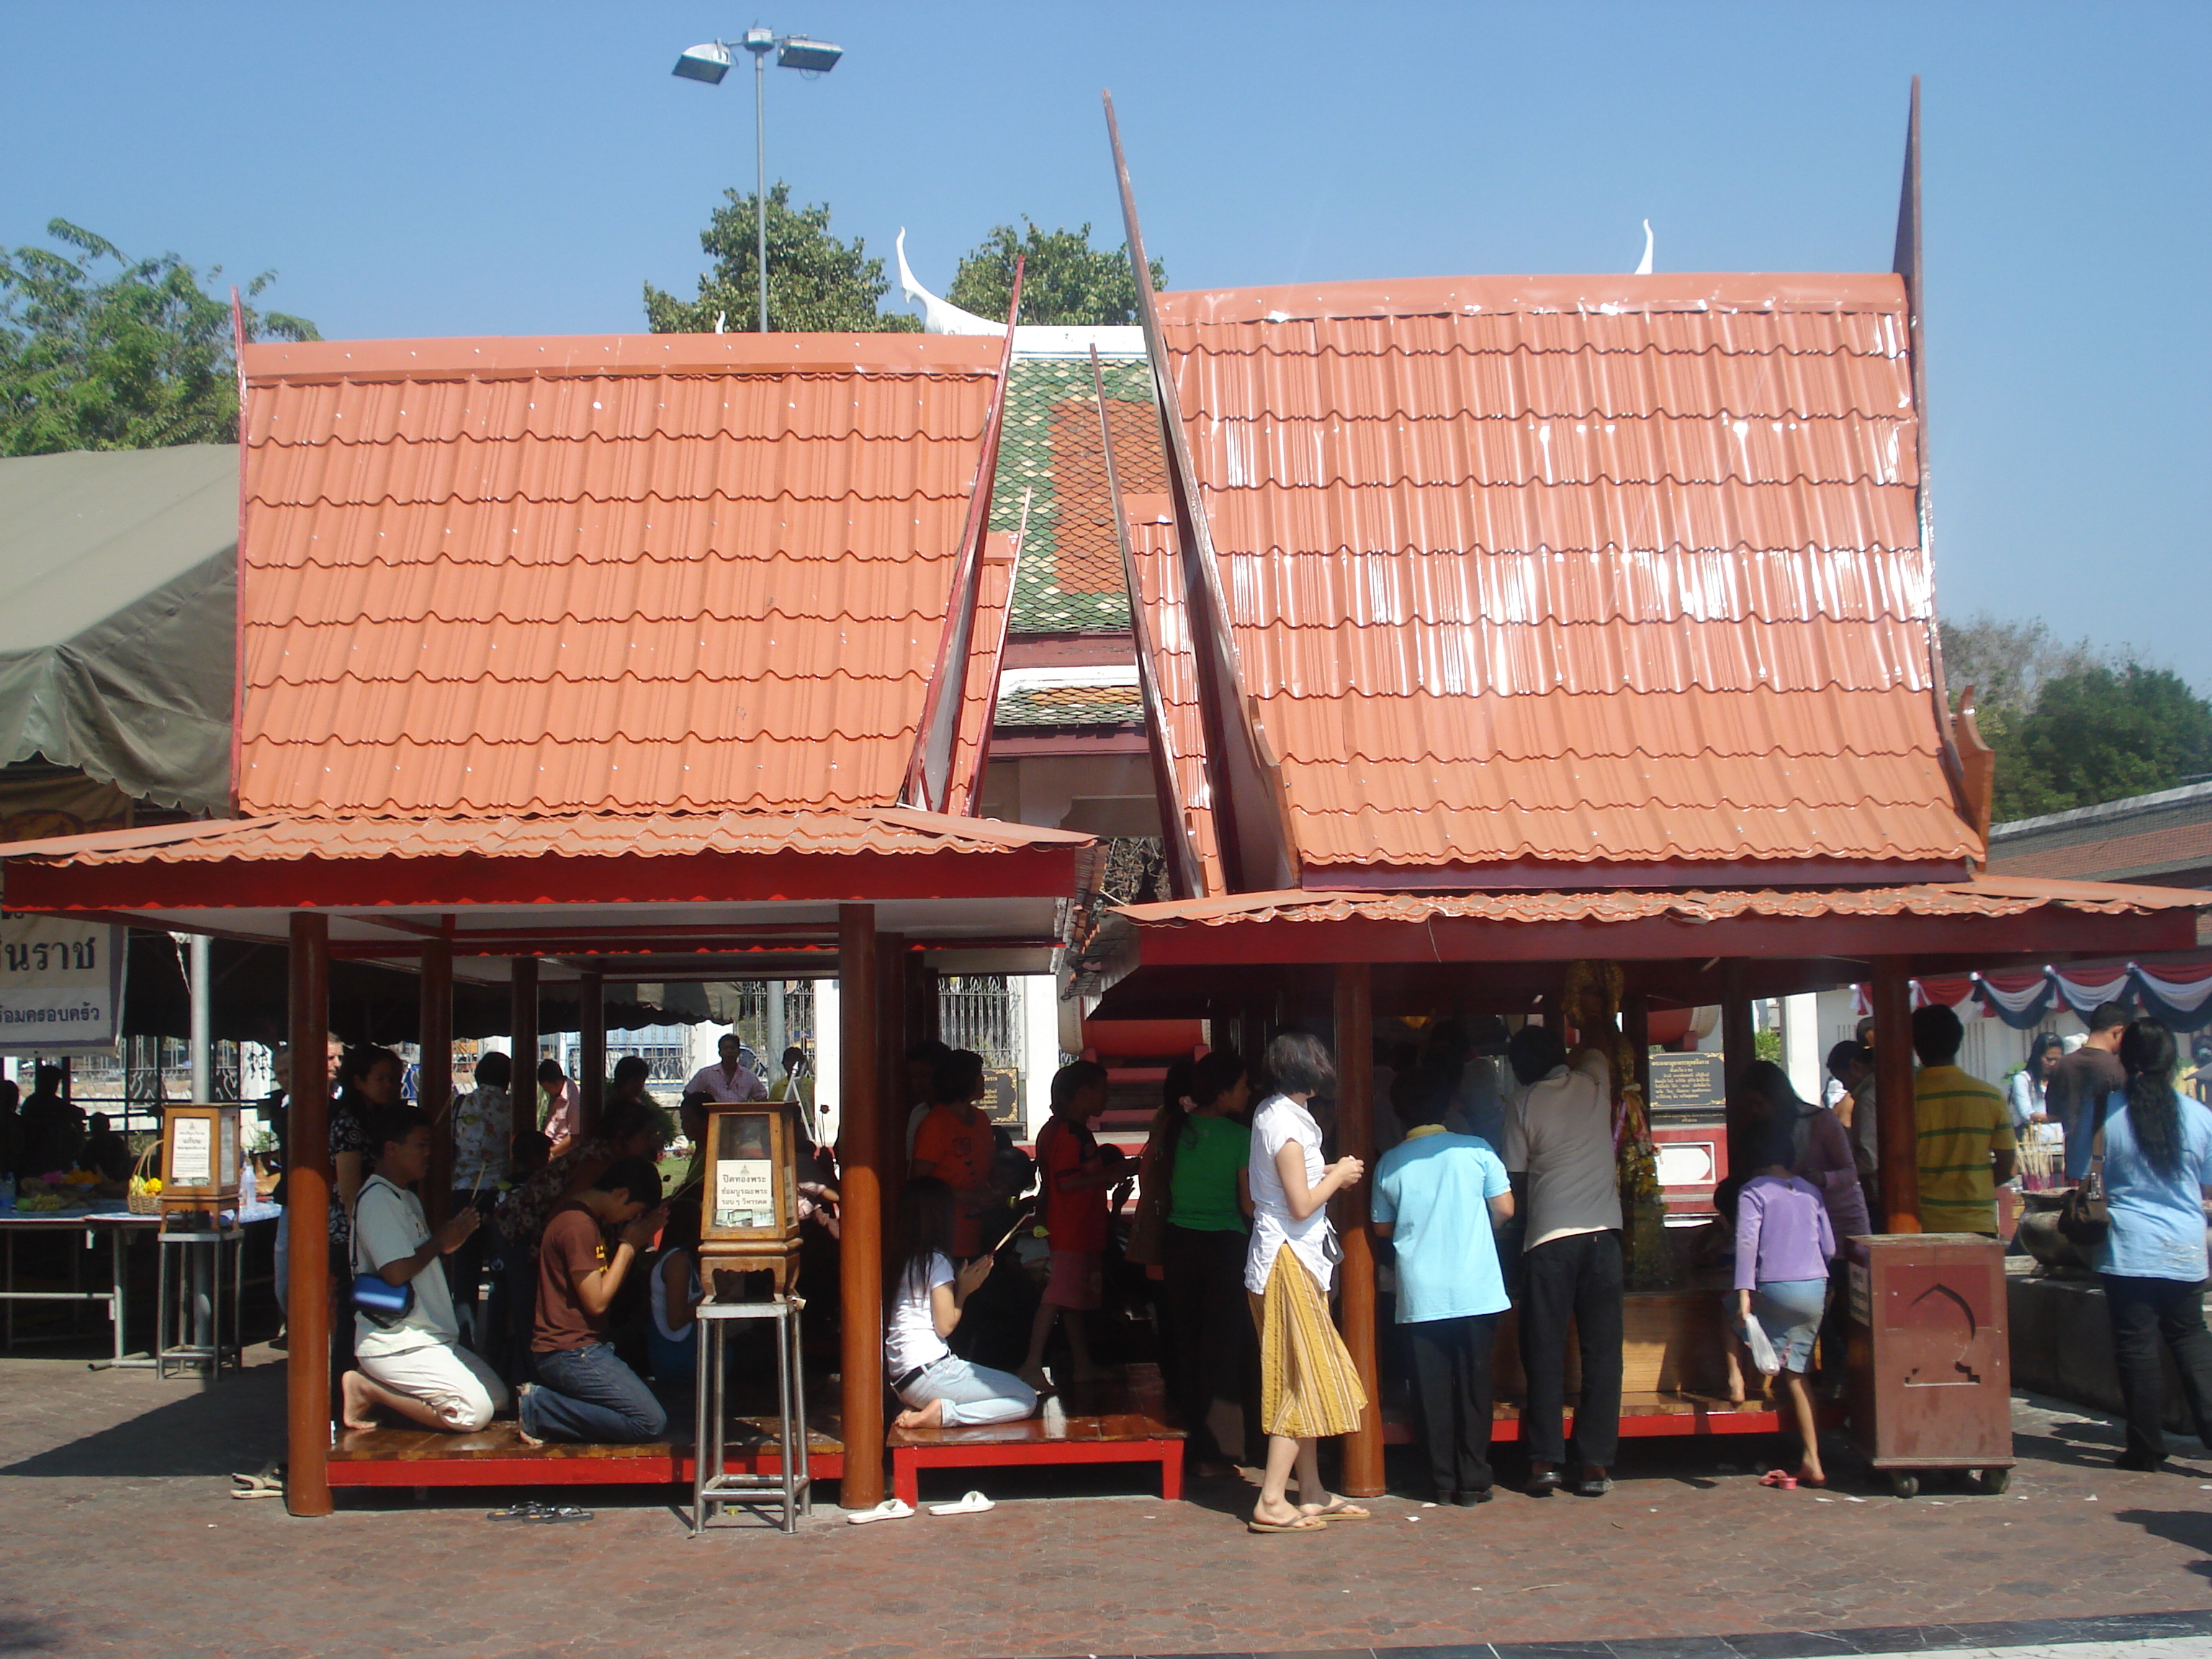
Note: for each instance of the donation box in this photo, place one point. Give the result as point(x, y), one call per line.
point(749, 1206)
point(200, 1153)
point(1930, 1368)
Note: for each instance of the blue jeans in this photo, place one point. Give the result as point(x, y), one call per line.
point(588, 1394)
point(971, 1394)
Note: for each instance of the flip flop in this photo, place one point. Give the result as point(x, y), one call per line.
point(529, 1511)
point(892, 1509)
point(270, 1484)
point(1340, 1511)
point(972, 1503)
point(1780, 1480)
point(1303, 1524)
point(548, 1517)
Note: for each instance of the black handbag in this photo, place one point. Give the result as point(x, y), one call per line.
point(2084, 1216)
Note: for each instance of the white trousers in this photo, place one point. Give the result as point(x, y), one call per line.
point(452, 1381)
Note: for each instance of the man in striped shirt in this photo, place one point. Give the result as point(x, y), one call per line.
point(1966, 1132)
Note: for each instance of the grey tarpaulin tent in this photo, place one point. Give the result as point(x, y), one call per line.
point(118, 603)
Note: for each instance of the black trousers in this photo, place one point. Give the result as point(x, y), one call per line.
point(1577, 1277)
point(2145, 1312)
point(1210, 1325)
point(1452, 1397)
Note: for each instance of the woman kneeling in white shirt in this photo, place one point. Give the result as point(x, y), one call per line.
point(939, 1389)
point(413, 1364)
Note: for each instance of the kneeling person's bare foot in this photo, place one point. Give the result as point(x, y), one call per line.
point(358, 1412)
point(931, 1416)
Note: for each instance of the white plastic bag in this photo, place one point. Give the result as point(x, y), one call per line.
point(1763, 1353)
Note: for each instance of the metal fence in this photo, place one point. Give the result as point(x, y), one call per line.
point(981, 1012)
point(130, 1084)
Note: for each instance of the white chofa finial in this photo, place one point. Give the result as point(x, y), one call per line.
point(940, 316)
point(1643, 265)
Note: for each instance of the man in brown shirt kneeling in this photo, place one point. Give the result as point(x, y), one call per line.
point(584, 1391)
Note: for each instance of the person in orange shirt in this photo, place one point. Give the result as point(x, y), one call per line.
point(954, 1145)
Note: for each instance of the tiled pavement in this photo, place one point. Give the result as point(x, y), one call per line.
point(116, 1533)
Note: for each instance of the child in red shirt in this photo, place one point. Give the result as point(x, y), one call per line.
point(1074, 1172)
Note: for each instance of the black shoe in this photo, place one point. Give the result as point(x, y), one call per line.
point(2138, 1462)
point(1593, 1486)
point(1468, 1500)
point(1544, 1485)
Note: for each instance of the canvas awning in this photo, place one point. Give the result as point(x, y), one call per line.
point(119, 617)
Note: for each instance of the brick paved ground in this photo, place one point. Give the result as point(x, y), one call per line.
point(115, 1532)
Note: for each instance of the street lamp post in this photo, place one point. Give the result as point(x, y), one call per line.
point(711, 61)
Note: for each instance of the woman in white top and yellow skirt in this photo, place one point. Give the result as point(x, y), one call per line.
point(1308, 1386)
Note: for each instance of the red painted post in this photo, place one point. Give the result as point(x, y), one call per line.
point(861, 1117)
point(1355, 1134)
point(1897, 1134)
point(308, 1200)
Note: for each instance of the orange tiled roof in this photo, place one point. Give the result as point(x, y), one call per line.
point(1575, 569)
point(1984, 895)
point(621, 574)
point(595, 835)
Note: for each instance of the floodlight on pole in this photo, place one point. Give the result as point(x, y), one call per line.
point(710, 62)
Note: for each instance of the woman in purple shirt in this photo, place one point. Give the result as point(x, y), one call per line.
point(1784, 1243)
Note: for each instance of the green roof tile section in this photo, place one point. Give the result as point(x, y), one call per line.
point(1048, 399)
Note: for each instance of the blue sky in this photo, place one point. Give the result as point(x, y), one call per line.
point(480, 168)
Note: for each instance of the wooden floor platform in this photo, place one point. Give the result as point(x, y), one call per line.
point(498, 1456)
point(1643, 1416)
point(1124, 1420)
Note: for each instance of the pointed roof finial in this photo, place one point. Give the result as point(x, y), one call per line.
point(940, 316)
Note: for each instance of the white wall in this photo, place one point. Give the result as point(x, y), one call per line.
point(828, 1056)
point(1040, 1017)
point(1801, 1052)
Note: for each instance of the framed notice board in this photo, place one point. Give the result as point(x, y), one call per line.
point(1687, 1085)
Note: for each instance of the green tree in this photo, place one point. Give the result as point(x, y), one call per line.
point(1065, 283)
point(2008, 663)
point(2103, 734)
point(816, 283)
point(135, 358)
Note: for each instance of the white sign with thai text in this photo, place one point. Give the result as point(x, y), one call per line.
point(61, 985)
point(745, 1193)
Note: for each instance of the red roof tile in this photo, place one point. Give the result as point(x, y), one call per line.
point(659, 834)
point(628, 573)
point(1985, 897)
point(1574, 569)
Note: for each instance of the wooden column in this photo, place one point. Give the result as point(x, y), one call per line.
point(434, 1076)
point(1355, 1138)
point(860, 1116)
point(522, 1041)
point(1897, 1135)
point(1636, 1026)
point(1739, 1037)
point(308, 1200)
point(591, 1051)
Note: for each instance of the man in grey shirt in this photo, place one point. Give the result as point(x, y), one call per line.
point(1559, 1141)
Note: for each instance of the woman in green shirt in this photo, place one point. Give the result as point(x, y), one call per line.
point(1200, 1147)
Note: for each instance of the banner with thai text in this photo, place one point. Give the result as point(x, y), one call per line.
point(61, 985)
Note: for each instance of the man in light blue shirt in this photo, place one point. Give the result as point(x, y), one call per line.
point(1439, 1198)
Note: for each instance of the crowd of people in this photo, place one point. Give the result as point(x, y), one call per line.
point(1497, 1189)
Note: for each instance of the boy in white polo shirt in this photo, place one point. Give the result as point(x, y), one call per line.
point(1439, 1198)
